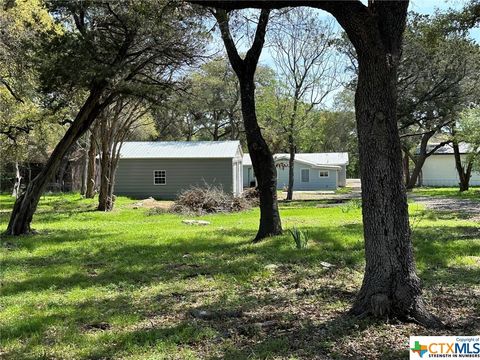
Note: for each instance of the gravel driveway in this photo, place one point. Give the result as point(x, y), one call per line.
point(470, 208)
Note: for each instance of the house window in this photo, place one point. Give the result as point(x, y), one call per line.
point(159, 177)
point(305, 175)
point(324, 173)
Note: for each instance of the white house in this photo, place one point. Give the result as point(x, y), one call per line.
point(312, 171)
point(439, 169)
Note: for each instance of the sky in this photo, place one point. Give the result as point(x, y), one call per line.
point(427, 7)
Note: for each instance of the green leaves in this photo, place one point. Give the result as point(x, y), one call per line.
point(300, 237)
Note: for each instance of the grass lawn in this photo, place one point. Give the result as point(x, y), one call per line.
point(126, 284)
point(472, 194)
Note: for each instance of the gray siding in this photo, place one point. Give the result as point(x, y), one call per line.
point(135, 176)
point(246, 180)
point(315, 183)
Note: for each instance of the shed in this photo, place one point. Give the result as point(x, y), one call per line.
point(162, 169)
point(439, 168)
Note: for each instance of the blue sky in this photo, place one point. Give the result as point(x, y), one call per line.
point(419, 6)
point(429, 7)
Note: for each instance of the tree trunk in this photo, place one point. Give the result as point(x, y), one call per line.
point(104, 199)
point(26, 203)
point(105, 196)
point(263, 163)
point(83, 188)
point(92, 155)
point(291, 167)
point(18, 181)
point(262, 158)
point(390, 285)
point(406, 167)
point(464, 174)
point(111, 184)
point(420, 160)
point(417, 170)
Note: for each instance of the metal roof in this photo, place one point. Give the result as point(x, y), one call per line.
point(179, 149)
point(448, 149)
point(246, 160)
point(315, 159)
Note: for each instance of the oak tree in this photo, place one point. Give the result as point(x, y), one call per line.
point(106, 49)
point(390, 286)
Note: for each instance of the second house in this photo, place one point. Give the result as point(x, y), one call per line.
point(312, 171)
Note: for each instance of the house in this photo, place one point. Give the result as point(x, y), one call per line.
point(163, 169)
point(312, 171)
point(439, 168)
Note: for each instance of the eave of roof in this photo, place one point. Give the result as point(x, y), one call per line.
point(180, 150)
point(312, 164)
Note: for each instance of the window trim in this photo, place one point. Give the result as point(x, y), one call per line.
point(324, 177)
point(154, 177)
point(301, 176)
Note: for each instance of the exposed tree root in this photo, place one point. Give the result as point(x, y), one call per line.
point(382, 307)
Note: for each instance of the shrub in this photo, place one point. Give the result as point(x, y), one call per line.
point(207, 199)
point(300, 237)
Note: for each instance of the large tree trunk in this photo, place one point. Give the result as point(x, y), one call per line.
point(464, 173)
point(263, 163)
point(390, 285)
point(92, 155)
point(27, 202)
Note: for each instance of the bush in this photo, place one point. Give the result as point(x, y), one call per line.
point(206, 200)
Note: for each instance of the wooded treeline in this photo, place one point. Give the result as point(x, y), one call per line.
point(304, 104)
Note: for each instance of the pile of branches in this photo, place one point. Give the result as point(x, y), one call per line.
point(208, 200)
point(252, 196)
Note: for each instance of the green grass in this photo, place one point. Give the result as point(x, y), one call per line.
point(94, 285)
point(472, 194)
point(344, 190)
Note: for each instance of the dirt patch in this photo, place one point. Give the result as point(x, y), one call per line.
point(151, 203)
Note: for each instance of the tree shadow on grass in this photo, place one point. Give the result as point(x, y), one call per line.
point(190, 259)
point(133, 264)
point(100, 264)
point(434, 215)
point(437, 248)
